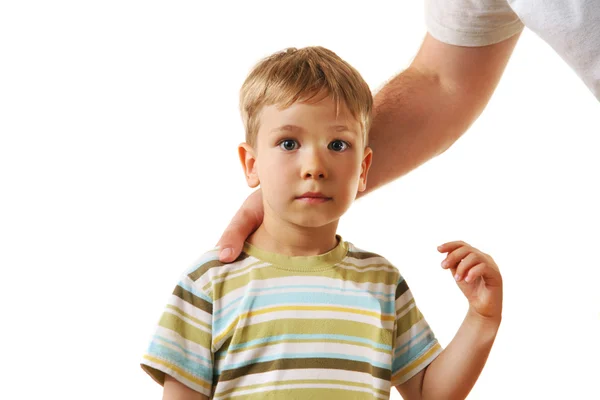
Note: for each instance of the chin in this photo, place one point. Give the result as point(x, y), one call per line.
point(314, 222)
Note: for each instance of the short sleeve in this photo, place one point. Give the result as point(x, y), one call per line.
point(415, 345)
point(182, 342)
point(471, 23)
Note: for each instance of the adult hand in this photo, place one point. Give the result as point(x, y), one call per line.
point(245, 221)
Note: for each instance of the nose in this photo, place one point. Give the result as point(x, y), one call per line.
point(313, 166)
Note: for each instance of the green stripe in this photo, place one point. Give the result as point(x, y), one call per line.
point(362, 255)
point(304, 381)
point(187, 331)
point(405, 306)
point(202, 269)
point(188, 316)
point(306, 363)
point(408, 320)
point(193, 299)
point(294, 326)
point(304, 341)
point(223, 288)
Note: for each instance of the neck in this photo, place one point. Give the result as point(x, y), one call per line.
point(282, 237)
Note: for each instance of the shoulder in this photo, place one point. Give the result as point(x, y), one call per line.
point(370, 261)
point(208, 267)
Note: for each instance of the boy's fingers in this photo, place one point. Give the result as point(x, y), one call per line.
point(465, 265)
point(455, 256)
point(450, 246)
point(490, 275)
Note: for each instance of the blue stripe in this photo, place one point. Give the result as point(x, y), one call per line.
point(258, 291)
point(179, 360)
point(163, 339)
point(412, 339)
point(280, 299)
point(305, 355)
point(309, 337)
point(195, 292)
point(412, 353)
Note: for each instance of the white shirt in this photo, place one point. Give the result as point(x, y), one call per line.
point(571, 27)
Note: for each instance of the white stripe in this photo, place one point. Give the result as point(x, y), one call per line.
point(315, 314)
point(187, 320)
point(301, 374)
point(406, 310)
point(403, 378)
point(190, 309)
point(360, 352)
point(185, 343)
point(191, 357)
point(304, 281)
point(411, 333)
point(227, 270)
point(404, 300)
point(377, 267)
point(242, 264)
point(177, 376)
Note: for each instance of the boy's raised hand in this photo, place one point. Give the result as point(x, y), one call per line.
point(477, 276)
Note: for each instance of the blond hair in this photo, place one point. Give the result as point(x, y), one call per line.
point(298, 75)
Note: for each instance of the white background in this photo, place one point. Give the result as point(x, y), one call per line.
point(118, 168)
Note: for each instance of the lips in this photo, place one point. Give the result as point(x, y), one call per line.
point(313, 197)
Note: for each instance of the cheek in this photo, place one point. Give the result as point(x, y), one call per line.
point(276, 173)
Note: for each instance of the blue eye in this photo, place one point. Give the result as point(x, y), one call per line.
point(288, 145)
point(338, 145)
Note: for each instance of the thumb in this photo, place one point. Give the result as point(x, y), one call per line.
point(246, 220)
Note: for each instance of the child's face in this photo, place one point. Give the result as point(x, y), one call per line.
point(309, 163)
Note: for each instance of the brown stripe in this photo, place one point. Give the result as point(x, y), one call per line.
point(401, 288)
point(193, 299)
point(306, 363)
point(201, 270)
point(362, 255)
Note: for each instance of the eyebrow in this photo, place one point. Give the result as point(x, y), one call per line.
point(295, 128)
point(287, 128)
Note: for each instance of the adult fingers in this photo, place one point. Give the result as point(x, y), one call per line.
point(245, 221)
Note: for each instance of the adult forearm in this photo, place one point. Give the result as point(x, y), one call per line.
point(415, 118)
point(454, 372)
point(426, 108)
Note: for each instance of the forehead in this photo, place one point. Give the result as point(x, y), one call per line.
point(322, 113)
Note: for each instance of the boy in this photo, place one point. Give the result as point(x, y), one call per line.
point(302, 314)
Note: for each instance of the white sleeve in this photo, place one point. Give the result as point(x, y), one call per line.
point(471, 22)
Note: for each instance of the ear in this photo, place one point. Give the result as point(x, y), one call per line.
point(248, 159)
point(364, 169)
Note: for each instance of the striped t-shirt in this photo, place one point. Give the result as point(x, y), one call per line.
point(340, 325)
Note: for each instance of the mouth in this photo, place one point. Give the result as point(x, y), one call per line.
point(313, 198)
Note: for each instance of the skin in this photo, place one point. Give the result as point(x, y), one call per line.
point(308, 147)
point(418, 115)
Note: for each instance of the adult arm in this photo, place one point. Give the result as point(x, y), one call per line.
point(422, 111)
point(419, 114)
